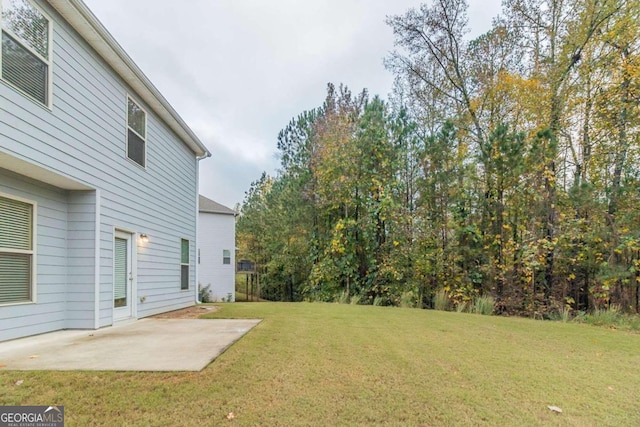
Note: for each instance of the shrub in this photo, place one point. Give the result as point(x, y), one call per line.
point(203, 293)
point(441, 300)
point(377, 301)
point(355, 300)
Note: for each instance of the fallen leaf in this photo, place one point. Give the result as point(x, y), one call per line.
point(555, 409)
point(19, 382)
point(34, 356)
point(610, 388)
point(230, 416)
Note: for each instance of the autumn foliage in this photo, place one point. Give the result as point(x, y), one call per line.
point(504, 166)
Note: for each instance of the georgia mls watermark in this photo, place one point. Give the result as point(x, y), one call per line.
point(31, 416)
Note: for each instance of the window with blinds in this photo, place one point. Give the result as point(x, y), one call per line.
point(136, 132)
point(26, 48)
point(184, 264)
point(120, 273)
point(16, 251)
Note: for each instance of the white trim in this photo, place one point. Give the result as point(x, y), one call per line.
point(132, 260)
point(146, 132)
point(34, 248)
point(197, 242)
point(134, 270)
point(187, 264)
point(48, 61)
point(96, 268)
point(16, 251)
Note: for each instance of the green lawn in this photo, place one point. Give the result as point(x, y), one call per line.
point(330, 364)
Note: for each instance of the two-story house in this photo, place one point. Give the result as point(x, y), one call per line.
point(98, 178)
point(217, 250)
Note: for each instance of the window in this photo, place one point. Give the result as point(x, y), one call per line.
point(226, 256)
point(136, 133)
point(184, 264)
point(16, 250)
point(26, 48)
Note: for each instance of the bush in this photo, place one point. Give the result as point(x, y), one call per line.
point(203, 293)
point(441, 300)
point(377, 301)
point(355, 300)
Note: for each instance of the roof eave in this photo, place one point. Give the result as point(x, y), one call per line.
point(88, 26)
point(218, 212)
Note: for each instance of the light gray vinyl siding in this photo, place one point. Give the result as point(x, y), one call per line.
point(83, 137)
point(81, 222)
point(49, 312)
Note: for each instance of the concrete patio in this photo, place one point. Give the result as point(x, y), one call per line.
point(143, 345)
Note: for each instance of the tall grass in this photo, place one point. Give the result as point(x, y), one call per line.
point(407, 300)
point(343, 298)
point(462, 307)
point(612, 317)
point(604, 316)
point(441, 300)
point(484, 305)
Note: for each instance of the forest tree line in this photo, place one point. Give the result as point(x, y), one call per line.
point(507, 165)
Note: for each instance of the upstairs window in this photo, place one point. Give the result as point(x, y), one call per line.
point(226, 256)
point(16, 251)
point(26, 49)
point(136, 133)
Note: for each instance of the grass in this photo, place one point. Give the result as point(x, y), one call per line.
point(441, 300)
point(339, 364)
point(611, 317)
point(484, 305)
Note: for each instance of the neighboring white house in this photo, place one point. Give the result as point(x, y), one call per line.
point(216, 249)
point(98, 178)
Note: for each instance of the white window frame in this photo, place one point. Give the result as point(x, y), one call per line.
point(32, 252)
point(187, 264)
point(48, 61)
point(129, 128)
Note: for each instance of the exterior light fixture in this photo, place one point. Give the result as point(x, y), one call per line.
point(144, 238)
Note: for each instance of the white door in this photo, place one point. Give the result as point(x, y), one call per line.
point(122, 276)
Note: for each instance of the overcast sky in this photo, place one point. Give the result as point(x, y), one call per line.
point(237, 71)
